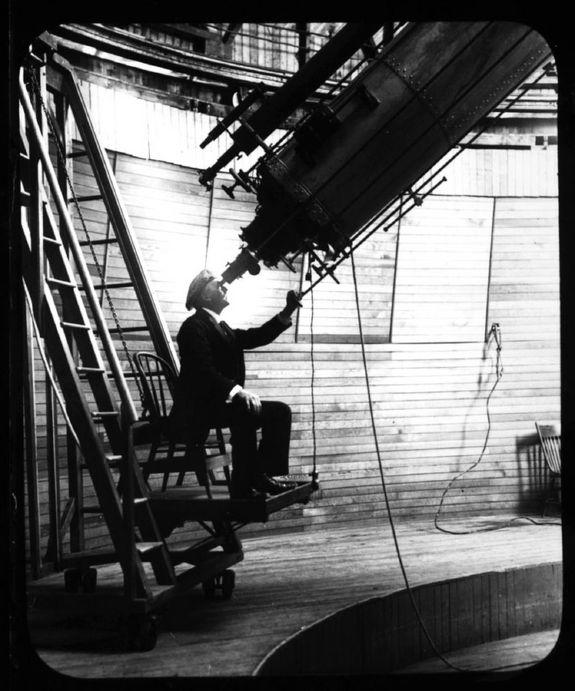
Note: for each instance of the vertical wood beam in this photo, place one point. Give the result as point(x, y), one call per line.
point(302, 33)
point(54, 549)
point(489, 270)
point(391, 315)
point(31, 448)
point(230, 31)
point(75, 476)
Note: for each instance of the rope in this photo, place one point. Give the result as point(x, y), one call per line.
point(314, 472)
point(383, 484)
point(387, 504)
point(62, 158)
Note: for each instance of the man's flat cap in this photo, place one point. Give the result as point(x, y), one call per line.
point(196, 287)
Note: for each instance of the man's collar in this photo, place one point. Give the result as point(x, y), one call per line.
point(212, 314)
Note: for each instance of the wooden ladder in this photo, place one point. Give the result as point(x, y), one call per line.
point(61, 319)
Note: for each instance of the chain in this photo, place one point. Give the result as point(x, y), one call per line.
point(62, 157)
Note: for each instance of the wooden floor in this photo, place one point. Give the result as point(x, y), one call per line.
point(285, 583)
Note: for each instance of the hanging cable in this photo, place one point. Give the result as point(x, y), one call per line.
point(495, 331)
point(383, 484)
point(313, 474)
point(498, 374)
point(62, 158)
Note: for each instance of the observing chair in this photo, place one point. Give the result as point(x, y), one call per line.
point(157, 379)
point(550, 438)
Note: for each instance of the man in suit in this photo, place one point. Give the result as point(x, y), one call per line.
point(210, 389)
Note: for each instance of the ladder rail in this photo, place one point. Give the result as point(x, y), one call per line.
point(105, 178)
point(77, 253)
point(95, 455)
point(69, 332)
point(103, 394)
point(93, 450)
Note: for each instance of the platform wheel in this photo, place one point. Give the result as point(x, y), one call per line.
point(228, 582)
point(140, 632)
point(209, 588)
point(72, 580)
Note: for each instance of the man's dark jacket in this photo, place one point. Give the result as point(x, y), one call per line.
point(211, 364)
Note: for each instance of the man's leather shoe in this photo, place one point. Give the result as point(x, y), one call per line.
point(266, 484)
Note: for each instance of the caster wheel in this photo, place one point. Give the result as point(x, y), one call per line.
point(228, 583)
point(72, 580)
point(140, 633)
point(89, 580)
point(209, 588)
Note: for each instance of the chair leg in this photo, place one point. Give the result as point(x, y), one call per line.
point(151, 457)
point(169, 457)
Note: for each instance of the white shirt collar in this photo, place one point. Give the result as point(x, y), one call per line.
point(213, 314)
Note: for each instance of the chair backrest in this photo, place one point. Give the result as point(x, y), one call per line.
point(550, 438)
point(157, 378)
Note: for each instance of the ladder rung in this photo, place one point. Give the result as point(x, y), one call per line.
point(61, 283)
point(146, 547)
point(36, 59)
point(90, 370)
point(52, 241)
point(104, 413)
point(118, 284)
point(107, 241)
point(76, 154)
point(128, 329)
point(24, 156)
point(85, 198)
point(113, 458)
point(73, 325)
point(127, 375)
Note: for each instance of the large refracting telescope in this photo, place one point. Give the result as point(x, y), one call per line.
point(414, 100)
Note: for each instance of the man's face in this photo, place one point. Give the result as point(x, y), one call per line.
point(213, 296)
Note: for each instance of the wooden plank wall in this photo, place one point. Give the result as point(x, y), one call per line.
point(483, 250)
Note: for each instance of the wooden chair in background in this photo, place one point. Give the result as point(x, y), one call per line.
point(550, 439)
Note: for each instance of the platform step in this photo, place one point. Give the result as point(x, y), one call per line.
point(75, 326)
point(90, 370)
point(145, 548)
point(103, 241)
point(102, 414)
point(117, 284)
point(85, 198)
point(59, 283)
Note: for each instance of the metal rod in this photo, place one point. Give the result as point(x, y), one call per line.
point(352, 249)
point(303, 83)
